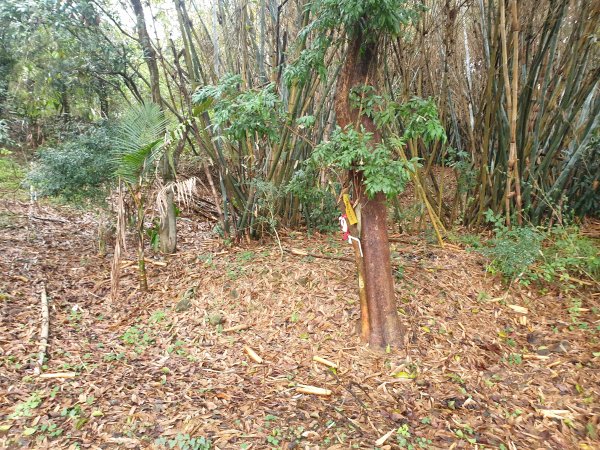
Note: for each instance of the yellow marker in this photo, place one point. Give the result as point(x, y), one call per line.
point(352, 220)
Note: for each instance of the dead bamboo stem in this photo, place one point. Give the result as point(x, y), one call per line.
point(44, 332)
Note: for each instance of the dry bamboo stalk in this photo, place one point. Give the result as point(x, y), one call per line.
point(300, 252)
point(58, 375)
point(325, 362)
point(44, 332)
point(513, 120)
point(253, 355)
point(303, 389)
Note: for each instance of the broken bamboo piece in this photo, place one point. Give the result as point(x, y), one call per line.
point(303, 389)
point(325, 362)
point(379, 442)
point(44, 332)
point(253, 355)
point(58, 375)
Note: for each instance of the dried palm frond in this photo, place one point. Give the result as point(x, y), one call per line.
point(184, 191)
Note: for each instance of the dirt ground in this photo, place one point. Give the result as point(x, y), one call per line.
point(483, 365)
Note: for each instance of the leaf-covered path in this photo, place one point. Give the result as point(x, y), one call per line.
point(480, 364)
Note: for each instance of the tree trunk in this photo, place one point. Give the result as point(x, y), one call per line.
point(383, 325)
point(168, 221)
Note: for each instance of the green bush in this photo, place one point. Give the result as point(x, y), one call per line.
point(534, 254)
point(78, 168)
point(569, 253)
point(318, 205)
point(513, 252)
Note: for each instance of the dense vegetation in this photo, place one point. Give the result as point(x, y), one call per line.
point(255, 112)
point(173, 178)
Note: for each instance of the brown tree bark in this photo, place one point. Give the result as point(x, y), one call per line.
point(168, 222)
point(383, 324)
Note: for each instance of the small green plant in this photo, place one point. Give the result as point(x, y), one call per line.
point(177, 348)
point(113, 356)
point(246, 256)
point(512, 251)
point(403, 436)
point(466, 434)
point(25, 409)
point(75, 316)
point(184, 442)
point(154, 235)
point(275, 437)
point(319, 206)
point(50, 430)
point(71, 412)
point(399, 273)
point(158, 316)
point(515, 359)
point(138, 338)
point(11, 174)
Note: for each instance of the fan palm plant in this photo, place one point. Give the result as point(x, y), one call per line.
point(140, 142)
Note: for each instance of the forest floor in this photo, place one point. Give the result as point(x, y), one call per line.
point(483, 365)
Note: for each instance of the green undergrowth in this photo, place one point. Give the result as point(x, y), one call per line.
point(559, 255)
point(11, 172)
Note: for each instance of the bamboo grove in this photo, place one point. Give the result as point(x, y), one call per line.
point(250, 89)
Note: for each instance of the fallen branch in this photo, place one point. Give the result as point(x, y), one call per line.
point(48, 219)
point(44, 332)
point(299, 252)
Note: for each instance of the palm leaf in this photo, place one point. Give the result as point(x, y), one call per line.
point(139, 141)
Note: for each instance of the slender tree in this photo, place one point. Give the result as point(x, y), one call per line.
point(365, 25)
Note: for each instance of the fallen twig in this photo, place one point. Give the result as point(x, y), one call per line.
point(43, 333)
point(237, 328)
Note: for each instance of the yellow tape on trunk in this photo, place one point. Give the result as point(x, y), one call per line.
point(352, 220)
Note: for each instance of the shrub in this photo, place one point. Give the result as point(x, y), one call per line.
point(77, 168)
point(534, 254)
point(513, 252)
point(318, 205)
